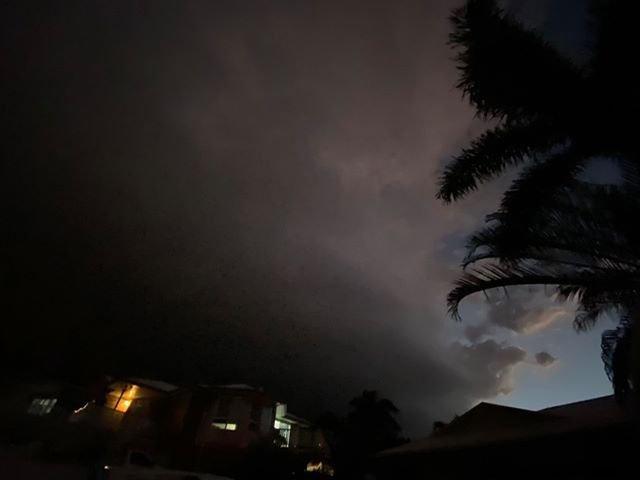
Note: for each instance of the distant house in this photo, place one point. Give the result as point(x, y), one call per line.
point(227, 417)
point(203, 427)
point(212, 425)
point(590, 439)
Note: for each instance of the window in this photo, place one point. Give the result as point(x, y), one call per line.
point(121, 397)
point(284, 430)
point(42, 406)
point(123, 405)
point(222, 424)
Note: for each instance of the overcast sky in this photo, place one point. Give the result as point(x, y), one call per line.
point(244, 192)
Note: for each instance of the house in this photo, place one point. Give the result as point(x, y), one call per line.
point(205, 427)
point(109, 402)
point(38, 415)
point(217, 426)
point(589, 439)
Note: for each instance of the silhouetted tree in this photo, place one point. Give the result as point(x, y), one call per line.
point(552, 117)
point(371, 422)
point(370, 426)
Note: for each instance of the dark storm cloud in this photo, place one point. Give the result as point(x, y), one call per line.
point(545, 359)
point(203, 191)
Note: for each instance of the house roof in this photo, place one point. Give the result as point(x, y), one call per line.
point(154, 384)
point(291, 418)
point(601, 409)
point(488, 423)
point(487, 417)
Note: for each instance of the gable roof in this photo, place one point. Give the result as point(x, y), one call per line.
point(486, 417)
point(487, 423)
point(602, 409)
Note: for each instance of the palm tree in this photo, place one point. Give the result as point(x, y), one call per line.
point(552, 117)
point(585, 246)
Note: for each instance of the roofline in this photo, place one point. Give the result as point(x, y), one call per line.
point(575, 403)
point(143, 383)
point(291, 418)
point(500, 406)
point(504, 407)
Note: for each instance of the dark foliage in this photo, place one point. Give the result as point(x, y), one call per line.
point(553, 117)
point(370, 426)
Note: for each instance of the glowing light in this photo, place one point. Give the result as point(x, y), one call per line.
point(122, 398)
point(78, 410)
point(124, 405)
point(225, 426)
point(320, 467)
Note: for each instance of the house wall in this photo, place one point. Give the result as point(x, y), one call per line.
point(59, 434)
point(18, 425)
point(249, 412)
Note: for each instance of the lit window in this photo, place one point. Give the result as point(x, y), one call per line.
point(42, 406)
point(123, 405)
point(121, 398)
point(223, 425)
point(284, 430)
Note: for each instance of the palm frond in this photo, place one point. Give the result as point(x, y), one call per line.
point(631, 174)
point(619, 284)
point(595, 302)
point(587, 226)
point(495, 150)
point(539, 185)
point(493, 276)
point(507, 70)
